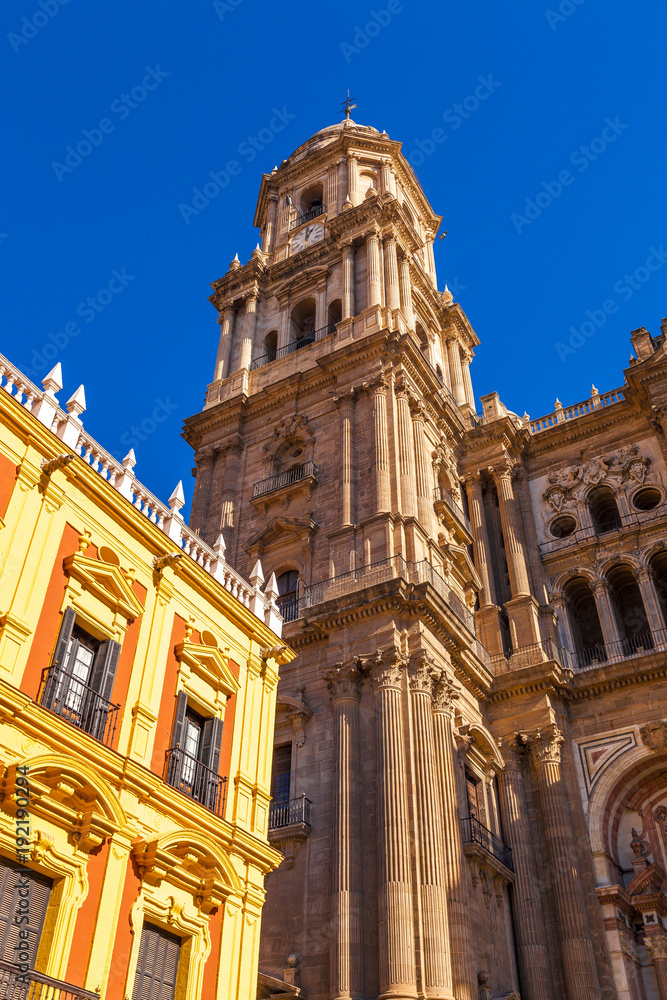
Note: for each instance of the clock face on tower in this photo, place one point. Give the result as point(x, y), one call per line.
point(306, 238)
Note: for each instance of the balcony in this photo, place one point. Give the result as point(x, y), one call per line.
point(312, 213)
point(194, 779)
point(17, 985)
point(66, 695)
point(294, 475)
point(445, 502)
point(589, 657)
point(281, 352)
point(634, 519)
point(295, 811)
point(528, 656)
point(474, 832)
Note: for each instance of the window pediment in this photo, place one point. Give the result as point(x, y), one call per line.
point(106, 582)
point(282, 531)
point(209, 664)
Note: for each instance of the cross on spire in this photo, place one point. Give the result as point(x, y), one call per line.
point(348, 105)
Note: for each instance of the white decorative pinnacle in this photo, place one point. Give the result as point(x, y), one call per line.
point(235, 263)
point(594, 391)
point(177, 498)
point(130, 460)
point(76, 404)
point(53, 382)
point(271, 589)
point(558, 405)
point(257, 575)
point(220, 546)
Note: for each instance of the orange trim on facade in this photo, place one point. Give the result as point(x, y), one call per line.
point(165, 719)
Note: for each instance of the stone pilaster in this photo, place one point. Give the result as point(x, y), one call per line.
point(352, 178)
point(248, 335)
point(516, 561)
point(425, 510)
point(406, 292)
point(559, 603)
point(432, 888)
point(455, 371)
point(347, 980)
point(381, 447)
point(391, 273)
point(346, 406)
point(199, 514)
point(229, 492)
point(607, 615)
point(332, 188)
point(650, 598)
point(348, 303)
point(395, 908)
point(464, 978)
point(530, 931)
point(406, 458)
point(473, 487)
point(342, 184)
point(226, 321)
point(270, 230)
point(565, 884)
point(656, 946)
point(467, 382)
point(321, 305)
point(374, 288)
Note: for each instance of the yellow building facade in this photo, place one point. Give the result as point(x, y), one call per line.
point(138, 675)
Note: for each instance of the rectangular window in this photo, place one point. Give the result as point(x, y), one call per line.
point(157, 967)
point(474, 795)
point(282, 772)
point(12, 879)
point(79, 683)
point(193, 762)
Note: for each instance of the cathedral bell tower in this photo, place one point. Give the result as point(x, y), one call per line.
point(327, 464)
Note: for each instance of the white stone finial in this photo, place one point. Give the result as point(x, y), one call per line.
point(526, 417)
point(594, 391)
point(447, 296)
point(271, 589)
point(236, 263)
point(130, 460)
point(257, 575)
point(53, 382)
point(220, 546)
point(177, 498)
point(558, 405)
point(76, 404)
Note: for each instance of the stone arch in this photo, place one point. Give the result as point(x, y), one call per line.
point(57, 768)
point(603, 506)
point(487, 745)
point(179, 841)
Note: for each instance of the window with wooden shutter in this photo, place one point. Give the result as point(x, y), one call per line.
point(13, 877)
point(157, 967)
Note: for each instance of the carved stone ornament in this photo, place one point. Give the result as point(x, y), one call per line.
point(514, 752)
point(656, 946)
point(545, 745)
point(654, 735)
point(344, 681)
point(385, 668)
point(422, 672)
point(445, 694)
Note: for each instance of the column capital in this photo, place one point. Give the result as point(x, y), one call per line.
point(343, 681)
point(643, 573)
point(445, 694)
point(514, 753)
point(206, 455)
point(544, 745)
point(252, 295)
point(656, 946)
point(386, 668)
point(346, 398)
point(422, 672)
point(501, 470)
point(599, 587)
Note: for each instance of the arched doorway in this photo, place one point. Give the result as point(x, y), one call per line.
point(584, 622)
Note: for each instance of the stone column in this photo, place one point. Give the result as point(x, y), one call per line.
point(395, 907)
point(249, 324)
point(342, 183)
point(391, 273)
point(467, 382)
point(332, 189)
point(352, 175)
point(348, 303)
point(425, 510)
point(229, 490)
point(607, 616)
point(656, 946)
point(432, 888)
point(270, 231)
point(386, 178)
point(344, 683)
point(406, 461)
point(284, 331)
point(346, 404)
point(463, 973)
point(516, 562)
point(381, 448)
point(321, 306)
point(650, 598)
point(562, 857)
point(373, 268)
point(531, 937)
point(456, 372)
point(198, 515)
point(406, 292)
point(481, 550)
point(226, 321)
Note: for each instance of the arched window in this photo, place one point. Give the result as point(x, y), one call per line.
point(629, 609)
point(335, 313)
point(584, 621)
point(271, 345)
point(288, 593)
point(303, 323)
point(312, 203)
point(604, 509)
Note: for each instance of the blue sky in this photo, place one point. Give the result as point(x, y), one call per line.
point(551, 186)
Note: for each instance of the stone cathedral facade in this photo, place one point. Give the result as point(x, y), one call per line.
point(470, 763)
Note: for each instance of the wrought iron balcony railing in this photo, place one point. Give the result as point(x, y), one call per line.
point(312, 213)
point(281, 352)
point(293, 475)
point(622, 649)
point(474, 832)
point(65, 694)
point(195, 779)
point(288, 813)
point(289, 608)
point(17, 985)
point(443, 495)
